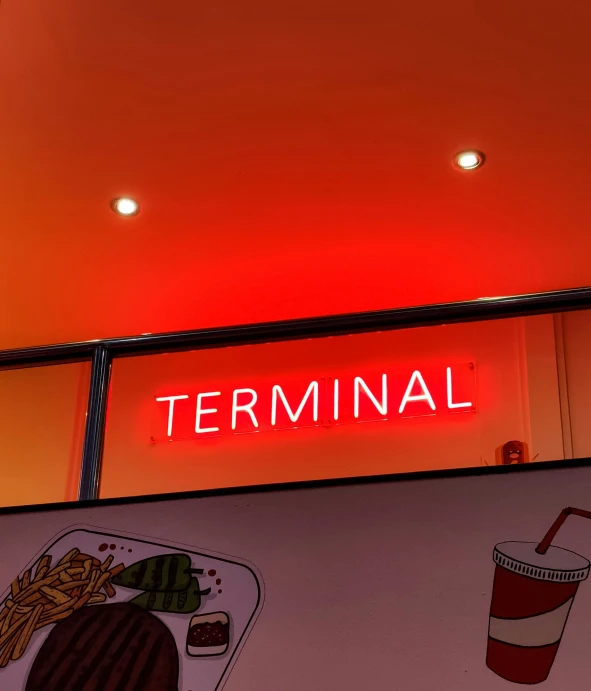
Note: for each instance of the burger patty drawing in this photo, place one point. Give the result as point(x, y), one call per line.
point(116, 647)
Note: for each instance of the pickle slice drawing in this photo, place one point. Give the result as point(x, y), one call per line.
point(179, 602)
point(167, 573)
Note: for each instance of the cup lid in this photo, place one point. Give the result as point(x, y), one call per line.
point(557, 564)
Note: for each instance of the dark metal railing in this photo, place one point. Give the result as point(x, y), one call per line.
point(103, 352)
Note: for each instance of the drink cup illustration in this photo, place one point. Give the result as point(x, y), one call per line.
point(531, 601)
point(533, 591)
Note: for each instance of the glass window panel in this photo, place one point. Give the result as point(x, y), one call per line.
point(42, 414)
point(516, 399)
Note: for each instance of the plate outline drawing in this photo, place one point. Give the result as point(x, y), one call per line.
point(157, 542)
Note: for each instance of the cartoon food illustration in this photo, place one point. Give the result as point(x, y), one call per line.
point(177, 602)
point(169, 572)
point(85, 622)
point(50, 594)
point(168, 584)
point(209, 634)
point(533, 591)
point(116, 647)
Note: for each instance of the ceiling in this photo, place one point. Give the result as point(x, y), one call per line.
point(291, 158)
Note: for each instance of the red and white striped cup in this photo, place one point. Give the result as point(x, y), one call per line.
point(531, 600)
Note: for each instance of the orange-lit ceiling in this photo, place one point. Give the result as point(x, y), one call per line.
point(292, 158)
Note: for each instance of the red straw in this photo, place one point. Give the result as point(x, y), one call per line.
point(542, 548)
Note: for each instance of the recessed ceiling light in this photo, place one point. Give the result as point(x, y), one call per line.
point(124, 206)
point(469, 160)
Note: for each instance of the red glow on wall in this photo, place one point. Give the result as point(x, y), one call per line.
point(392, 394)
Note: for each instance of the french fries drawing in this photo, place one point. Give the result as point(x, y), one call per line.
point(50, 594)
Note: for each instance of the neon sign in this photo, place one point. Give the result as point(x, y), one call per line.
point(393, 394)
